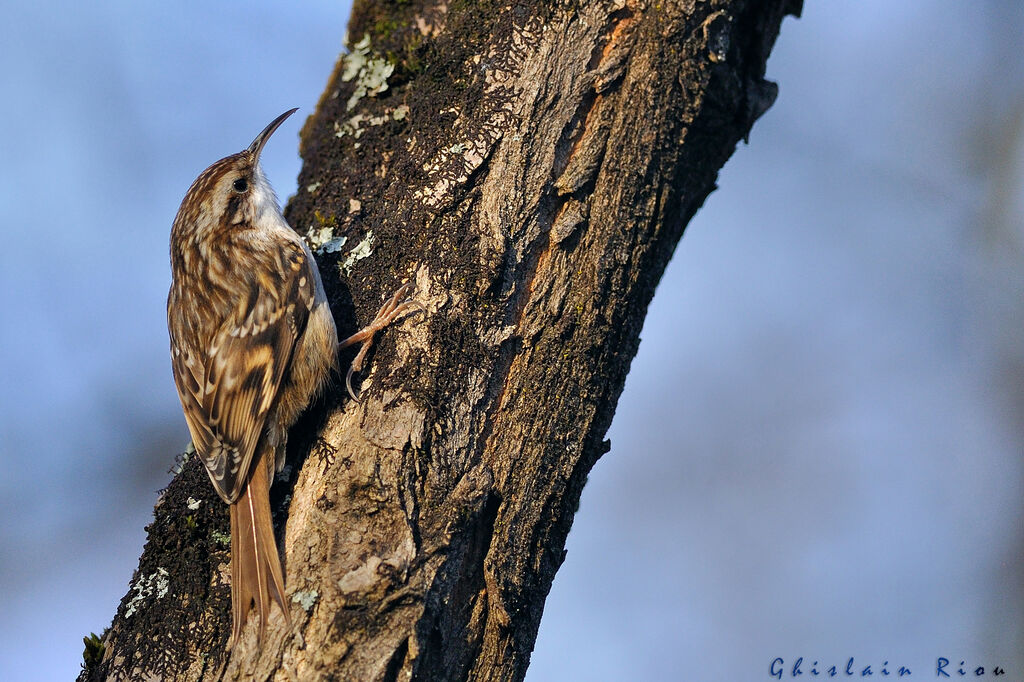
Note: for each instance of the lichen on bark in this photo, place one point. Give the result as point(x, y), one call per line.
point(530, 167)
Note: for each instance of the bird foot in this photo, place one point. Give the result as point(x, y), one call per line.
point(395, 308)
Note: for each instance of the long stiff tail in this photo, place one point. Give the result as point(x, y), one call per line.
point(255, 565)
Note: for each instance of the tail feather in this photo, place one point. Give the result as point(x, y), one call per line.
point(256, 575)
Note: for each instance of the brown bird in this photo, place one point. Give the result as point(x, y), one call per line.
point(252, 343)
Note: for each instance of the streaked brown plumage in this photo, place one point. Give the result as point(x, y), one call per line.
point(252, 342)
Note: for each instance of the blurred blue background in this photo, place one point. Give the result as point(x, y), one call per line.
point(819, 449)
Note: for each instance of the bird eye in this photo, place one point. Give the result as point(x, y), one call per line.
point(240, 185)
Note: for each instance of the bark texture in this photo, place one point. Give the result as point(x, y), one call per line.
point(530, 167)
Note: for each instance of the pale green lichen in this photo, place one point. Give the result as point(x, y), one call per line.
point(349, 127)
point(317, 238)
point(222, 539)
point(313, 187)
point(361, 251)
point(305, 598)
point(182, 459)
point(333, 246)
point(354, 126)
point(154, 585)
point(323, 240)
point(401, 112)
point(370, 73)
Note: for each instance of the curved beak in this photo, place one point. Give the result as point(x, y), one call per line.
point(257, 145)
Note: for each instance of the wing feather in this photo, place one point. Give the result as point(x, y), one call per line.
point(228, 391)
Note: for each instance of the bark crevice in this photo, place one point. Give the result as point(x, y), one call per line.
point(530, 169)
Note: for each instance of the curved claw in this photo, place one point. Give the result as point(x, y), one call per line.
point(395, 308)
point(348, 383)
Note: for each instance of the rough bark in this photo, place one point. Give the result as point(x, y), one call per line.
point(530, 167)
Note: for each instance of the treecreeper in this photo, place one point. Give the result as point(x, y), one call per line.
point(253, 342)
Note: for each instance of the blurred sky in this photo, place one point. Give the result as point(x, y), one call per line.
point(819, 449)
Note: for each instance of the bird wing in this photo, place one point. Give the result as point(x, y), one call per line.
point(228, 388)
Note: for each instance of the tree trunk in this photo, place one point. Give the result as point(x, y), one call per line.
point(530, 168)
